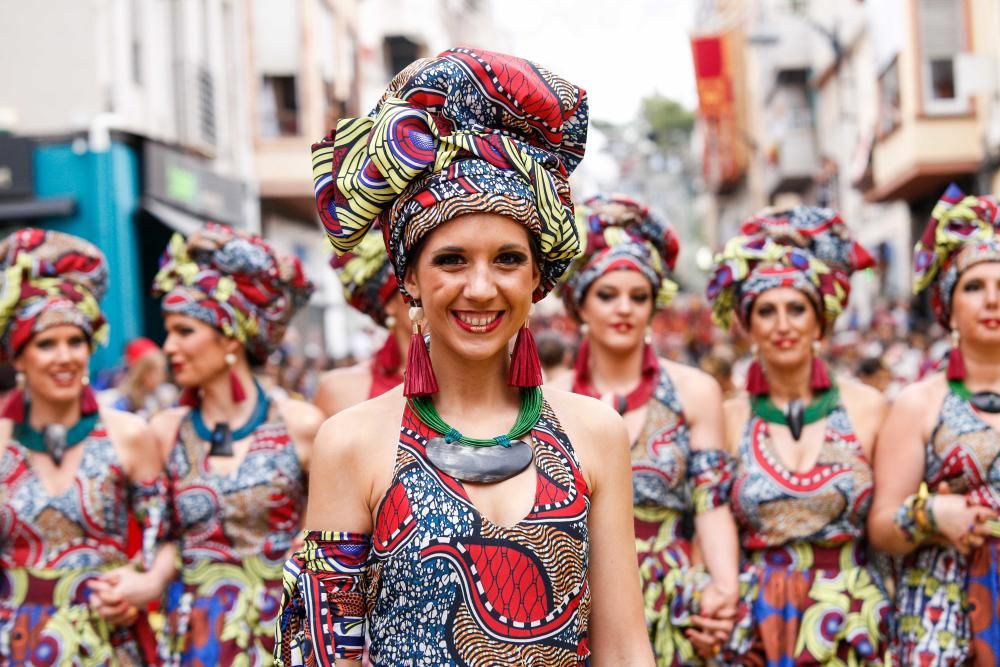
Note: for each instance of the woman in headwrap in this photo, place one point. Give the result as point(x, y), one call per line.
point(236, 459)
point(680, 472)
point(457, 538)
point(803, 441)
point(937, 473)
point(370, 286)
point(70, 471)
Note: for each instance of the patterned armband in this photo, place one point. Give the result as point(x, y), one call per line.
point(915, 517)
point(710, 474)
point(150, 504)
point(323, 605)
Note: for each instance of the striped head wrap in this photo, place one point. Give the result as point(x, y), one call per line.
point(48, 279)
point(367, 277)
point(468, 131)
point(807, 248)
point(235, 282)
point(963, 231)
point(622, 234)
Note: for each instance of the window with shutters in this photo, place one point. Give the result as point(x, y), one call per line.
point(942, 37)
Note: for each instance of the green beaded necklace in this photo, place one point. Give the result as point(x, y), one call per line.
point(527, 417)
point(987, 401)
point(820, 407)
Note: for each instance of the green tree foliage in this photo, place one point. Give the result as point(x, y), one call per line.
point(669, 123)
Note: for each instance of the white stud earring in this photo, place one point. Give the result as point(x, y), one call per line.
point(390, 322)
point(584, 329)
point(648, 338)
point(85, 380)
point(230, 359)
point(956, 338)
point(816, 347)
point(20, 379)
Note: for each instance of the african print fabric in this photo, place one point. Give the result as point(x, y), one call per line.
point(809, 594)
point(450, 587)
point(623, 234)
point(51, 546)
point(469, 131)
point(367, 277)
point(235, 282)
point(47, 279)
point(235, 531)
point(949, 604)
point(662, 491)
point(962, 231)
point(806, 248)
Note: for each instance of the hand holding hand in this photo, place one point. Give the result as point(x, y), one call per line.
point(959, 523)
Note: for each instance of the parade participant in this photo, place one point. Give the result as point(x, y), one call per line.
point(453, 544)
point(143, 389)
point(370, 286)
point(674, 417)
point(803, 441)
point(937, 471)
point(237, 459)
point(71, 472)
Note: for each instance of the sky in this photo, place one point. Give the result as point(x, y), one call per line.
point(639, 49)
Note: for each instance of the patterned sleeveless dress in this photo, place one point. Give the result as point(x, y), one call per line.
point(949, 604)
point(450, 587)
point(811, 596)
point(662, 464)
point(235, 531)
point(51, 546)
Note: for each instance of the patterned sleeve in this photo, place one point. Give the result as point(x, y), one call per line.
point(710, 475)
point(323, 605)
point(150, 504)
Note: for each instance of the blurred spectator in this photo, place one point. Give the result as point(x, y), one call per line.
point(143, 388)
point(552, 353)
point(719, 364)
point(873, 372)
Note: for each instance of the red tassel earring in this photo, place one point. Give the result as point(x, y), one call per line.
point(235, 386)
point(418, 378)
point(819, 376)
point(13, 409)
point(525, 366)
point(956, 362)
point(88, 399)
point(756, 380)
point(189, 397)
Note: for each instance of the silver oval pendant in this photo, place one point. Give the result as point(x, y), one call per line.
point(479, 464)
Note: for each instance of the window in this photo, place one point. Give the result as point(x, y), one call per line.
point(279, 106)
point(889, 112)
point(942, 37)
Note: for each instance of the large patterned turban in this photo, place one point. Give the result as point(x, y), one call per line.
point(235, 282)
point(622, 234)
point(469, 131)
point(963, 231)
point(806, 248)
point(48, 279)
point(367, 276)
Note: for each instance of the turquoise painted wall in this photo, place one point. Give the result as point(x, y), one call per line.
point(106, 188)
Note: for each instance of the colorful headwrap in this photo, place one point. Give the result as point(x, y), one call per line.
point(469, 131)
point(963, 231)
point(48, 279)
point(235, 282)
point(367, 276)
point(622, 234)
point(806, 248)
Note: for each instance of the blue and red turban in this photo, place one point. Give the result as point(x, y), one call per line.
point(622, 234)
point(469, 131)
point(963, 231)
point(807, 248)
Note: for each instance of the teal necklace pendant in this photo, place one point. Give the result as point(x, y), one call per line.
point(480, 460)
point(796, 415)
point(221, 438)
point(54, 439)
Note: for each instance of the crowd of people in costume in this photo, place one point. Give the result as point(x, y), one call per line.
point(455, 500)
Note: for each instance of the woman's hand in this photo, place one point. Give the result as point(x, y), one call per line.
point(119, 594)
point(714, 623)
point(109, 604)
point(959, 523)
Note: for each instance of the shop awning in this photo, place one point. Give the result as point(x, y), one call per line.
point(28, 209)
point(172, 217)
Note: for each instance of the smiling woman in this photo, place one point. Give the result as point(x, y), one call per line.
point(70, 472)
point(434, 529)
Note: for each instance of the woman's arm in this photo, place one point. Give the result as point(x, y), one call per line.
point(341, 388)
point(617, 627)
point(303, 421)
point(899, 471)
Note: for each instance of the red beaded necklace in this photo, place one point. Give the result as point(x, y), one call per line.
point(582, 383)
